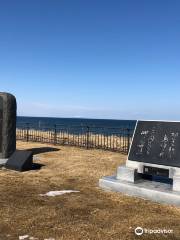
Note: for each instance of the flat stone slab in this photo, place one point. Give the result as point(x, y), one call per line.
point(3, 162)
point(155, 191)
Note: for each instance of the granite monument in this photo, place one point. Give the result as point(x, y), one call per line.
point(7, 125)
point(152, 169)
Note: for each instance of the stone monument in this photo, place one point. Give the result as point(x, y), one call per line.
point(7, 126)
point(152, 169)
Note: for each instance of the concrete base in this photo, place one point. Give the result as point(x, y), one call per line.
point(155, 191)
point(3, 161)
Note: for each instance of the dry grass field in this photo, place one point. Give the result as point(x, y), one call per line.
point(91, 214)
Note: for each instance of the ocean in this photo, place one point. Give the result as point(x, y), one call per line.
point(42, 122)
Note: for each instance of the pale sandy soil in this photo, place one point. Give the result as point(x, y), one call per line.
point(90, 214)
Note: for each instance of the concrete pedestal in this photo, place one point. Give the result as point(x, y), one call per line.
point(155, 191)
point(3, 162)
point(130, 182)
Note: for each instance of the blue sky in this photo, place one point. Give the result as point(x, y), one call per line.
point(97, 59)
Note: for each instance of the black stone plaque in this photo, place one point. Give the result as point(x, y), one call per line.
point(156, 142)
point(20, 160)
point(156, 171)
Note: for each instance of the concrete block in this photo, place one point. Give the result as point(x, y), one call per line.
point(3, 161)
point(176, 183)
point(127, 174)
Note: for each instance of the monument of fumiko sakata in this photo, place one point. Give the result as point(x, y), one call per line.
point(7, 126)
point(152, 169)
point(9, 156)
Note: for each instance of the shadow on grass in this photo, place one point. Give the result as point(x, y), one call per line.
point(37, 166)
point(43, 150)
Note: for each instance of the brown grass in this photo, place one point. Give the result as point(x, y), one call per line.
point(91, 214)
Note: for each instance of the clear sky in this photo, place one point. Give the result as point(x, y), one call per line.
point(96, 59)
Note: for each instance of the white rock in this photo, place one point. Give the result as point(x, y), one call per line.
point(23, 237)
point(49, 239)
point(58, 193)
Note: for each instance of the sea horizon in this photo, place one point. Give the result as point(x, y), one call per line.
point(115, 119)
point(91, 122)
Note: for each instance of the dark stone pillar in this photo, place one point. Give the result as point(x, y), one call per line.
point(7, 125)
